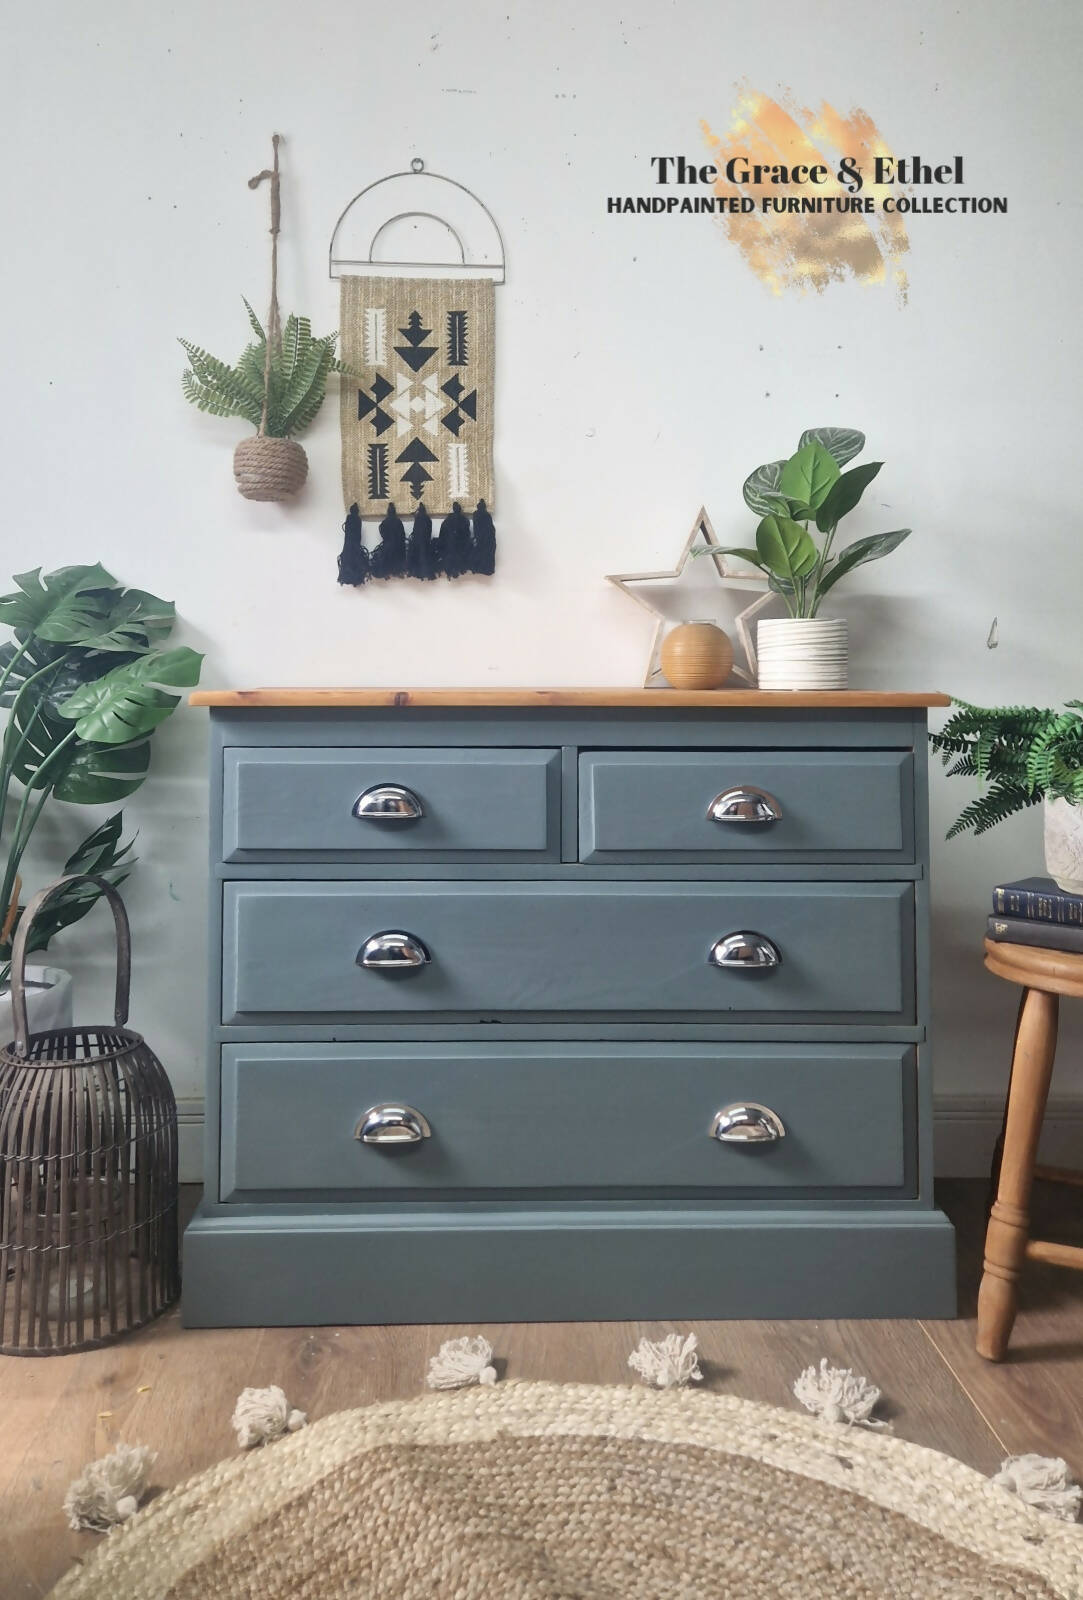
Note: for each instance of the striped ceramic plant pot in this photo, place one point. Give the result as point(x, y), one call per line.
point(802, 653)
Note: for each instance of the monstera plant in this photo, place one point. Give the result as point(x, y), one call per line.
point(85, 683)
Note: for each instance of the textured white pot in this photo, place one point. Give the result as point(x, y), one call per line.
point(802, 653)
point(1064, 844)
point(48, 1002)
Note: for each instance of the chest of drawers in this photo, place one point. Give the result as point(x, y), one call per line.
point(532, 1005)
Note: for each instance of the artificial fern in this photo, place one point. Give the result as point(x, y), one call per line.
point(296, 383)
point(1023, 752)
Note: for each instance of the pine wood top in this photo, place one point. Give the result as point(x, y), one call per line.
point(661, 699)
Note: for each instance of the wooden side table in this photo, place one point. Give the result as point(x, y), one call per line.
point(1044, 975)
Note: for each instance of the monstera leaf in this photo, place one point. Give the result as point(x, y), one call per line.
point(101, 853)
point(129, 702)
point(62, 607)
point(131, 622)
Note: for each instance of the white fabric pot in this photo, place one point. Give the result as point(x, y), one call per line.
point(48, 1002)
point(1064, 844)
point(802, 653)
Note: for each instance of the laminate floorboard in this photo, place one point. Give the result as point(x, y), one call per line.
point(174, 1388)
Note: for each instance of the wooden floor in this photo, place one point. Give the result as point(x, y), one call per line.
point(174, 1389)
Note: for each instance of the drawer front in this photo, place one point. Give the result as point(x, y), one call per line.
point(470, 802)
point(668, 805)
point(496, 949)
point(589, 1117)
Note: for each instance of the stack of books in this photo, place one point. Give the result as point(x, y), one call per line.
point(1035, 911)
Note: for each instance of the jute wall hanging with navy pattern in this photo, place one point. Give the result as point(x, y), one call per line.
point(417, 406)
point(417, 425)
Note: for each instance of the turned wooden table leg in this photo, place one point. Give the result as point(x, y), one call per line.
point(1006, 1238)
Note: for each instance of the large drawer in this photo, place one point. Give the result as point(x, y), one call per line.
point(632, 1117)
point(471, 802)
point(671, 805)
point(497, 949)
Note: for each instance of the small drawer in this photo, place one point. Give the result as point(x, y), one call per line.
point(494, 950)
point(594, 1118)
point(429, 805)
point(802, 805)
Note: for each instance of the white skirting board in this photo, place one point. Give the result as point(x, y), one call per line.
point(966, 1127)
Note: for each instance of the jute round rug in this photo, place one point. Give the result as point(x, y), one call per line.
point(534, 1491)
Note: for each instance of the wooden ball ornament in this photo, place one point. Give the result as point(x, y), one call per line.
point(696, 655)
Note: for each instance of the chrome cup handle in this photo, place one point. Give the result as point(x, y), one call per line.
point(392, 951)
point(745, 1122)
point(392, 1125)
point(745, 803)
point(745, 951)
point(388, 802)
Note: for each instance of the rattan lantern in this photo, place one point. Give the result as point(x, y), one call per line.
point(88, 1172)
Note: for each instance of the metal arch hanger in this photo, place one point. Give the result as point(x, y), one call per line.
point(485, 265)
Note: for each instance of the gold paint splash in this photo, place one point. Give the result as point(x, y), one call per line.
point(806, 250)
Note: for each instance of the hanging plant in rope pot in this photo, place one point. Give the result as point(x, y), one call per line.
point(278, 384)
point(81, 681)
point(809, 491)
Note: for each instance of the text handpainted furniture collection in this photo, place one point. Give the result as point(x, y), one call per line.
point(533, 1005)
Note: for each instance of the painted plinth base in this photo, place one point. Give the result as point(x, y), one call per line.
point(483, 1264)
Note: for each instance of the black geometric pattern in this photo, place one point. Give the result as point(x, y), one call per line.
point(380, 389)
point(377, 471)
point(417, 417)
point(416, 477)
point(461, 402)
point(415, 352)
point(456, 339)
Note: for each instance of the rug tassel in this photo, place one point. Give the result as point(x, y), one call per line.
point(388, 559)
point(460, 1362)
point(353, 562)
point(484, 542)
point(421, 559)
point(262, 1415)
point(668, 1363)
point(453, 543)
point(108, 1491)
point(838, 1395)
point(1043, 1482)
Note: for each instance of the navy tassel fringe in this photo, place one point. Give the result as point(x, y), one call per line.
point(421, 553)
point(353, 562)
point(389, 556)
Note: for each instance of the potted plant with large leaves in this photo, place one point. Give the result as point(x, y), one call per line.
point(82, 680)
point(809, 491)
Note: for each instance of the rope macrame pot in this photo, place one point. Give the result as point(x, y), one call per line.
point(88, 1171)
point(269, 469)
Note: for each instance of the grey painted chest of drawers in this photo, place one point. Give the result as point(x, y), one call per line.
point(556, 1005)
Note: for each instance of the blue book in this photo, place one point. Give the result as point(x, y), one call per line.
point(1038, 900)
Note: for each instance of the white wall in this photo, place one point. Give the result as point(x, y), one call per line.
point(642, 369)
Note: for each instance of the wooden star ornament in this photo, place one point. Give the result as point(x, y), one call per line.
point(696, 590)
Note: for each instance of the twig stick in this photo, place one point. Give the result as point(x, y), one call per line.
point(273, 329)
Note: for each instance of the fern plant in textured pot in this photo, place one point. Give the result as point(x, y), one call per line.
point(278, 385)
point(1025, 754)
point(81, 679)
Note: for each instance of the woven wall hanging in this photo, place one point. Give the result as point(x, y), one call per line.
point(417, 424)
